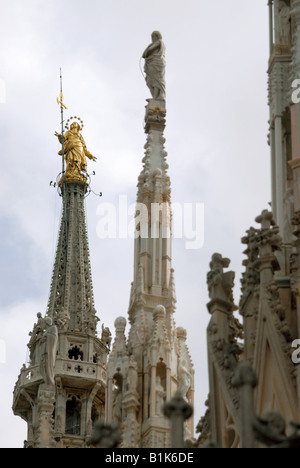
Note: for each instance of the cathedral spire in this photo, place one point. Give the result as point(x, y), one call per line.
point(156, 348)
point(67, 368)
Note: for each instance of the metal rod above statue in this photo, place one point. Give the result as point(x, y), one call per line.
point(60, 101)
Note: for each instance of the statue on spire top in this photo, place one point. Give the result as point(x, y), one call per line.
point(155, 65)
point(75, 151)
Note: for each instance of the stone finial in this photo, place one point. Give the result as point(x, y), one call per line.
point(250, 277)
point(178, 406)
point(105, 435)
point(220, 284)
point(178, 411)
point(181, 333)
point(265, 219)
point(120, 324)
point(244, 375)
point(269, 239)
point(159, 313)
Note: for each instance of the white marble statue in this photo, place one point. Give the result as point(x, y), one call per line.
point(49, 345)
point(155, 65)
point(284, 23)
point(132, 376)
point(159, 396)
point(117, 405)
point(184, 380)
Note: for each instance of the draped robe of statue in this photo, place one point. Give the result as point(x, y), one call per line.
point(49, 345)
point(155, 65)
point(75, 151)
point(284, 23)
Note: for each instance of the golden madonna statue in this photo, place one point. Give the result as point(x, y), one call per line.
point(75, 152)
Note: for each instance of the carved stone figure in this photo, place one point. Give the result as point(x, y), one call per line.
point(106, 336)
point(37, 331)
point(284, 23)
point(63, 320)
point(184, 380)
point(288, 236)
point(75, 151)
point(160, 395)
point(220, 284)
point(49, 345)
point(132, 376)
point(117, 405)
point(155, 65)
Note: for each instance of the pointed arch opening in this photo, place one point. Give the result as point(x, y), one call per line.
point(73, 416)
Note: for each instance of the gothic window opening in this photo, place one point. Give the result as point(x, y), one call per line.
point(96, 413)
point(161, 372)
point(75, 353)
point(160, 387)
point(73, 416)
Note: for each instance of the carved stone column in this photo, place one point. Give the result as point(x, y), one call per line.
point(131, 428)
point(295, 108)
point(269, 241)
point(45, 408)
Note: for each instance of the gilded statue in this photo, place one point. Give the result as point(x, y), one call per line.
point(155, 65)
point(75, 151)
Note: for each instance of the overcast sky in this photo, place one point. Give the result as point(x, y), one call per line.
point(216, 139)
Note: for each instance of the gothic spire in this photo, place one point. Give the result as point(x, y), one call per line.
point(157, 351)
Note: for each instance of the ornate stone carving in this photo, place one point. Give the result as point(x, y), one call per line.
point(63, 320)
point(220, 284)
point(45, 421)
point(132, 375)
point(268, 238)
point(204, 426)
point(250, 279)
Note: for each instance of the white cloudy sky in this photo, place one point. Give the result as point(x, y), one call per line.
point(216, 131)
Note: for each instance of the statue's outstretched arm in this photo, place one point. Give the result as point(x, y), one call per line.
point(86, 151)
point(58, 136)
